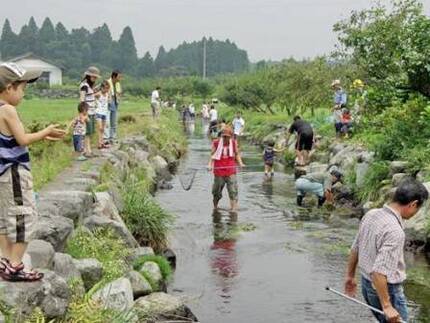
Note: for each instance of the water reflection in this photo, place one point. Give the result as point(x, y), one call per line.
point(224, 262)
point(189, 127)
point(205, 127)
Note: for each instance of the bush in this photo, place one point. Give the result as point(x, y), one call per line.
point(146, 220)
point(376, 173)
point(163, 263)
point(103, 245)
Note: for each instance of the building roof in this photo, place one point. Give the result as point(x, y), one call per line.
point(32, 55)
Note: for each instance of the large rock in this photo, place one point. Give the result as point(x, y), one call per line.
point(153, 270)
point(117, 295)
point(65, 267)
point(398, 166)
point(161, 167)
point(119, 228)
point(398, 178)
point(74, 205)
point(161, 305)
point(41, 254)
point(141, 156)
point(416, 228)
point(80, 184)
point(140, 252)
point(316, 167)
point(137, 142)
point(139, 284)
point(54, 229)
point(51, 295)
point(91, 271)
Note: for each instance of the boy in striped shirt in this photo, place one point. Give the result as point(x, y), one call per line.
point(17, 205)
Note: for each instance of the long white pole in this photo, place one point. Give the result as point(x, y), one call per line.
point(358, 302)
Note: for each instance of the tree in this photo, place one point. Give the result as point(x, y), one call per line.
point(9, 41)
point(146, 66)
point(126, 54)
point(28, 37)
point(46, 36)
point(161, 59)
point(101, 45)
point(390, 44)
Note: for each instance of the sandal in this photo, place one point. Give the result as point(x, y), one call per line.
point(17, 273)
point(6, 266)
point(22, 276)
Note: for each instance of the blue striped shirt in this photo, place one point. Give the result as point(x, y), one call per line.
point(11, 153)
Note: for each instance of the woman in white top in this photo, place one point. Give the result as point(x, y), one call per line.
point(88, 95)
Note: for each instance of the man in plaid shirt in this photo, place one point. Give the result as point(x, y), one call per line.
point(378, 252)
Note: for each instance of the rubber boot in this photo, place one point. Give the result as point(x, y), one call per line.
point(321, 201)
point(299, 200)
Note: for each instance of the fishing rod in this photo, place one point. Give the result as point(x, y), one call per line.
point(193, 172)
point(374, 309)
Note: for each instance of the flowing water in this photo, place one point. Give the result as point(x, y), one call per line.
point(260, 265)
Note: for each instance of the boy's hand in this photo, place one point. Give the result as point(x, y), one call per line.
point(55, 132)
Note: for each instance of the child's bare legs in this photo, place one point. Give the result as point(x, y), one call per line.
point(299, 157)
point(267, 170)
point(305, 156)
point(233, 205)
point(100, 131)
point(87, 149)
point(12, 251)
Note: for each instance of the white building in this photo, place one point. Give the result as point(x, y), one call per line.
point(52, 74)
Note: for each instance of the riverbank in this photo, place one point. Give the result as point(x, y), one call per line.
point(369, 183)
point(101, 239)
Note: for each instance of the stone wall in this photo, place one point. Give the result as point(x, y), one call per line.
point(68, 203)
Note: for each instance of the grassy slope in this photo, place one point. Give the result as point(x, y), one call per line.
point(49, 159)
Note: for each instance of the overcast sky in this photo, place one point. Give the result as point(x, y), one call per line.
point(267, 29)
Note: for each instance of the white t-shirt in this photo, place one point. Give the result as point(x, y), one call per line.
point(102, 104)
point(205, 112)
point(192, 109)
point(238, 124)
point(155, 96)
point(213, 115)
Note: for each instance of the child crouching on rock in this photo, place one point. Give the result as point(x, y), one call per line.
point(18, 213)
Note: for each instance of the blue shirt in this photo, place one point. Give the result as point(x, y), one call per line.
point(340, 97)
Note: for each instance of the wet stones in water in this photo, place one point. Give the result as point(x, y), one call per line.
point(170, 256)
point(164, 185)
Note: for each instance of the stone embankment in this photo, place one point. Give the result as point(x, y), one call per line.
point(69, 204)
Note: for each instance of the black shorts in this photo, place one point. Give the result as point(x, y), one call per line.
point(305, 141)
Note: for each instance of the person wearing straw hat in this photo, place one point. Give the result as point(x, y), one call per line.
point(340, 101)
point(225, 156)
point(87, 94)
point(378, 250)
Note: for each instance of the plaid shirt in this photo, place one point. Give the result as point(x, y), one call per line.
point(380, 242)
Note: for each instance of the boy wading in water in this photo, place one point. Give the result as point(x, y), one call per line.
point(269, 154)
point(225, 155)
point(18, 213)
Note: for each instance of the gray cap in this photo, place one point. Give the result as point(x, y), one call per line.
point(11, 72)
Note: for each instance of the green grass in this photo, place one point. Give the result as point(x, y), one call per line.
point(165, 268)
point(103, 245)
point(49, 159)
point(63, 110)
